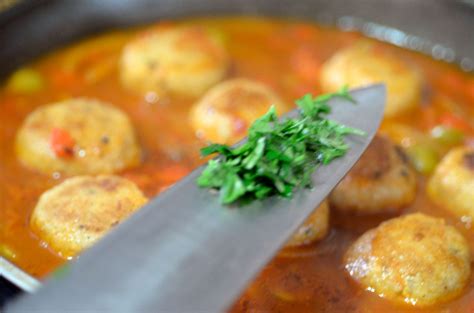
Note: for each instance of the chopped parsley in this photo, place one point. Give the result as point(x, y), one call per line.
point(278, 156)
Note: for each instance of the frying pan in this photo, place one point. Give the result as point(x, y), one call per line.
point(29, 29)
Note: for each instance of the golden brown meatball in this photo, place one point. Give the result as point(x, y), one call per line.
point(414, 259)
point(77, 136)
point(362, 65)
point(226, 111)
point(452, 184)
point(314, 228)
point(73, 215)
point(381, 181)
point(180, 59)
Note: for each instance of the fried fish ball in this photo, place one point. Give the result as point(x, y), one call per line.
point(183, 60)
point(76, 213)
point(314, 228)
point(452, 184)
point(362, 65)
point(77, 136)
point(414, 259)
point(382, 181)
point(226, 111)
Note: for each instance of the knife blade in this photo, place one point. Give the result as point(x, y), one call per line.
point(184, 252)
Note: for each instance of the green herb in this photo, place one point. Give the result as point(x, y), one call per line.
point(279, 156)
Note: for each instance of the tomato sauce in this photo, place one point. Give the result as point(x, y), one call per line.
point(287, 56)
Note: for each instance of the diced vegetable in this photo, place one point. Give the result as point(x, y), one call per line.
point(424, 157)
point(25, 80)
point(454, 121)
point(424, 150)
point(403, 135)
point(447, 135)
point(7, 252)
point(62, 143)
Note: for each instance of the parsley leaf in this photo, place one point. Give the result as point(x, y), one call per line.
point(279, 156)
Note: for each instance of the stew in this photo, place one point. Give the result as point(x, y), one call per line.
point(291, 59)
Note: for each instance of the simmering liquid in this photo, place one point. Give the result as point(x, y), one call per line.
point(307, 279)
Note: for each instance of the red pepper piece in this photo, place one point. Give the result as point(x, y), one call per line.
point(454, 121)
point(62, 143)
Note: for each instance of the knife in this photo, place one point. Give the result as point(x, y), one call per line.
point(184, 252)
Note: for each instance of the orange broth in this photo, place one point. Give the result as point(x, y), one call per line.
point(287, 56)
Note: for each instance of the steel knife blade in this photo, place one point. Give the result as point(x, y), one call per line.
point(184, 252)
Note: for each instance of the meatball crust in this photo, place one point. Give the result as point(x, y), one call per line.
point(314, 228)
point(184, 60)
point(226, 111)
point(77, 136)
point(362, 65)
point(382, 181)
point(452, 184)
point(414, 259)
point(76, 213)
